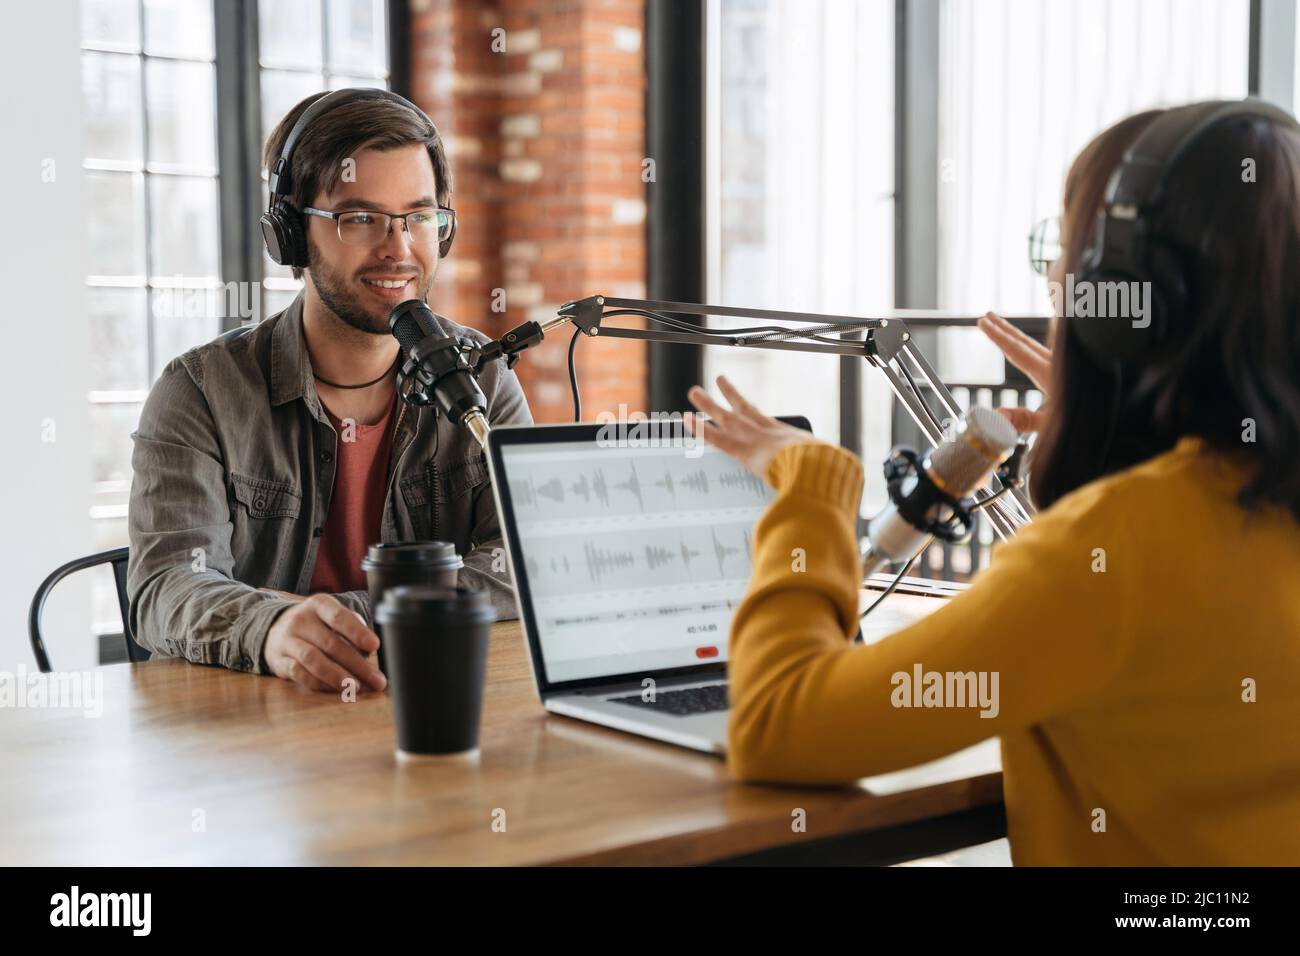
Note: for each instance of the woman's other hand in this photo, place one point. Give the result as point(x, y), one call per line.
point(1031, 357)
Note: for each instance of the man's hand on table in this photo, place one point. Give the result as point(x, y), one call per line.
point(319, 644)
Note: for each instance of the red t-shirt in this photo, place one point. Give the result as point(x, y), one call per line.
point(357, 505)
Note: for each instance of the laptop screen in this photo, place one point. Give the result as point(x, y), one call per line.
point(633, 557)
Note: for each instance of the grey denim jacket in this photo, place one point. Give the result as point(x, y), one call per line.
point(234, 463)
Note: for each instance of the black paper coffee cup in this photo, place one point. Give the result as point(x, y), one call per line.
point(432, 563)
point(437, 656)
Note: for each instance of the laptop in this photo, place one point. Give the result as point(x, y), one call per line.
point(630, 546)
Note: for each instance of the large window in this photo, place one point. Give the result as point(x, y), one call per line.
point(1023, 86)
point(156, 218)
point(803, 99)
point(149, 86)
point(801, 124)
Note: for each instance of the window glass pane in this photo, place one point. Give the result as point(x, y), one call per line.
point(111, 426)
point(357, 36)
point(119, 339)
point(183, 235)
point(106, 613)
point(178, 28)
point(1295, 96)
point(369, 82)
point(181, 114)
point(114, 22)
point(803, 191)
point(182, 319)
point(276, 300)
point(1011, 123)
point(115, 223)
point(281, 91)
point(110, 533)
point(289, 33)
point(110, 89)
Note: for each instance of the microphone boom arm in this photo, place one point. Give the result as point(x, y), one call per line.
point(887, 342)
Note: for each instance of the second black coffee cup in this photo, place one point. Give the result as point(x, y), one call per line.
point(438, 648)
point(432, 563)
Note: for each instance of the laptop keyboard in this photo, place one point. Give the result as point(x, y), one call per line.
point(682, 703)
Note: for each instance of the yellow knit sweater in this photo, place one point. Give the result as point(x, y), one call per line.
point(1145, 637)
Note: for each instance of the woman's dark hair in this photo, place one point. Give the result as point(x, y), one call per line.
point(374, 120)
point(1231, 357)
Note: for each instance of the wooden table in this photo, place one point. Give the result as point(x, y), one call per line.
point(199, 765)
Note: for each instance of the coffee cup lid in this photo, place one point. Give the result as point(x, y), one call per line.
point(413, 552)
point(413, 599)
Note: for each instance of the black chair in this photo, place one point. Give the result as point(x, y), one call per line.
point(116, 557)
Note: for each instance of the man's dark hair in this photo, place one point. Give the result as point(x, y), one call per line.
point(373, 120)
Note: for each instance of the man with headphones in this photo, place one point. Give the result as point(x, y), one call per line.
point(267, 461)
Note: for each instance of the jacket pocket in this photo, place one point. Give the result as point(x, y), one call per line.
point(266, 497)
point(437, 495)
point(415, 494)
point(458, 478)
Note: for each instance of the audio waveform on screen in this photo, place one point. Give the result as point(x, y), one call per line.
point(549, 490)
point(655, 557)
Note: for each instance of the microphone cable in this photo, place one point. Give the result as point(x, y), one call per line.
point(977, 506)
point(573, 377)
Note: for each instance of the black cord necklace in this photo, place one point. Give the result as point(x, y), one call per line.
point(375, 381)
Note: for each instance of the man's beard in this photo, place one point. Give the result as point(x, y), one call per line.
point(339, 298)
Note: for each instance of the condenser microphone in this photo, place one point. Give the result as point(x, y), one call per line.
point(926, 494)
point(434, 370)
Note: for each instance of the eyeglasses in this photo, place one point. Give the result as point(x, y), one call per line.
point(363, 227)
point(1045, 244)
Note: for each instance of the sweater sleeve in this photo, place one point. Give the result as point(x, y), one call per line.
point(1043, 628)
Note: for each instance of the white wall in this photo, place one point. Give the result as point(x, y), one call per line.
point(44, 358)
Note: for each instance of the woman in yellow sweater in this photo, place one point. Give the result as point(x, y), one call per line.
point(1145, 627)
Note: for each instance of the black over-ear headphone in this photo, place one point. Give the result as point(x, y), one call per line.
point(283, 229)
point(1125, 248)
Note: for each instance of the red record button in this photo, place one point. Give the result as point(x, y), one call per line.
point(706, 652)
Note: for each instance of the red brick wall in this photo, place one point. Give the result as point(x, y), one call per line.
point(546, 140)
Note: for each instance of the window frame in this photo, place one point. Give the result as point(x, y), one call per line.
point(147, 171)
point(239, 80)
